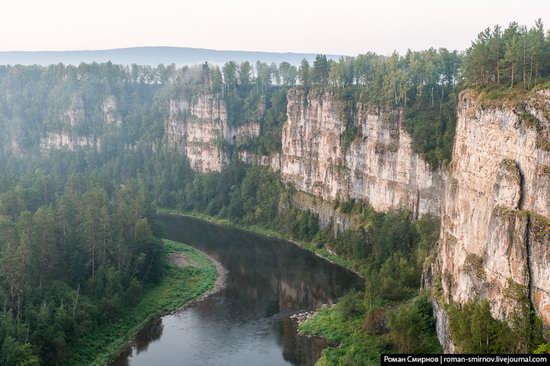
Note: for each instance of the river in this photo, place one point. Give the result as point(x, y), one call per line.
point(248, 322)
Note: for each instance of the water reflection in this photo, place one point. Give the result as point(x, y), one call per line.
point(151, 333)
point(248, 321)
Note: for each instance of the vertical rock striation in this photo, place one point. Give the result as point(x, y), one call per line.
point(495, 234)
point(378, 166)
point(66, 127)
point(200, 130)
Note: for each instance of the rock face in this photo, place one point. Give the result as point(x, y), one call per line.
point(328, 217)
point(110, 111)
point(495, 236)
point(494, 200)
point(197, 130)
point(273, 161)
point(71, 118)
point(74, 113)
point(64, 141)
point(378, 166)
point(200, 129)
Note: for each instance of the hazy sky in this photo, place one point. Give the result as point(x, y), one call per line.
point(320, 26)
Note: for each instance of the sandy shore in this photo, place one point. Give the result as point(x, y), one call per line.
point(182, 260)
point(220, 283)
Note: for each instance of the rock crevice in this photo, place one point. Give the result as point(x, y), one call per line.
point(495, 194)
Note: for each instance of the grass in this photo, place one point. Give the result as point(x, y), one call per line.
point(351, 344)
point(178, 287)
point(358, 337)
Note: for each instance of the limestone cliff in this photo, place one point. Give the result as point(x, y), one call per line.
point(495, 236)
point(328, 217)
point(200, 129)
point(494, 199)
point(65, 141)
point(273, 161)
point(379, 165)
point(110, 111)
point(63, 135)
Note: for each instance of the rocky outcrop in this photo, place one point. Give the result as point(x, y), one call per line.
point(244, 132)
point(328, 217)
point(442, 326)
point(378, 165)
point(273, 161)
point(200, 129)
point(74, 112)
point(494, 200)
point(70, 120)
point(64, 141)
point(197, 130)
point(539, 265)
point(110, 111)
point(495, 235)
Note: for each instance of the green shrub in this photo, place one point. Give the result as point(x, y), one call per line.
point(351, 305)
point(543, 349)
point(412, 327)
point(474, 330)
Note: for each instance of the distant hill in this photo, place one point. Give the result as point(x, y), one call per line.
point(150, 56)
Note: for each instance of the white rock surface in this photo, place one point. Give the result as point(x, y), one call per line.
point(378, 167)
point(64, 141)
point(499, 179)
point(199, 130)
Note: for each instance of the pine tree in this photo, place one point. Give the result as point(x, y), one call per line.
point(303, 73)
point(511, 41)
point(320, 70)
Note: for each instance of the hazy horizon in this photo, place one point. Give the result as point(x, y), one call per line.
point(348, 27)
point(152, 56)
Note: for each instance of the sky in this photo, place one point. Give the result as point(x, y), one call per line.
point(346, 27)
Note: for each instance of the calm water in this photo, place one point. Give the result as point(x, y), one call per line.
point(247, 323)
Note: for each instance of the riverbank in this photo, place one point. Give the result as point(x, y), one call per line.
point(344, 332)
point(321, 252)
point(189, 276)
point(343, 327)
point(357, 331)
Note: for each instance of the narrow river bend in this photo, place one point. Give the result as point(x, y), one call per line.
point(246, 323)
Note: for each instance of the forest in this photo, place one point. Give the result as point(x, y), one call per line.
point(78, 240)
point(514, 56)
point(75, 253)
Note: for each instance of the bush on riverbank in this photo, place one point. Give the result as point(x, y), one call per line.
point(409, 328)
